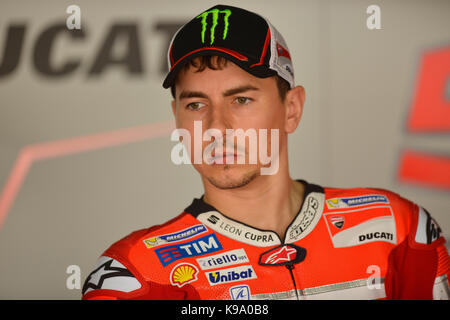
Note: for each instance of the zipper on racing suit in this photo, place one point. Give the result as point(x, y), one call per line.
point(291, 267)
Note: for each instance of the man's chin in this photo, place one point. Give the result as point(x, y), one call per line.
point(227, 178)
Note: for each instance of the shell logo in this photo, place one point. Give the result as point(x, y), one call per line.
point(182, 274)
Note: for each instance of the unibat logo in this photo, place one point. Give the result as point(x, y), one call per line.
point(230, 275)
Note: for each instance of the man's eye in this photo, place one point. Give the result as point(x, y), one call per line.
point(243, 100)
point(195, 106)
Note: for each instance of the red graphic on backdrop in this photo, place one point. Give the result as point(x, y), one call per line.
point(426, 169)
point(48, 150)
point(430, 113)
point(431, 108)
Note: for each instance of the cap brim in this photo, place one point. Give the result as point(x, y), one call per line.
point(252, 67)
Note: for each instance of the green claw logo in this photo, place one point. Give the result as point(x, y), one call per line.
point(215, 18)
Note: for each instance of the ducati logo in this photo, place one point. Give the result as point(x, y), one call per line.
point(337, 221)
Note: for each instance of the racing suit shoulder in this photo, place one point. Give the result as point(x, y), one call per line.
point(404, 211)
point(413, 222)
point(418, 264)
point(128, 268)
point(359, 200)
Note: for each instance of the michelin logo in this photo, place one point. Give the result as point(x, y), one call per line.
point(337, 203)
point(176, 236)
point(230, 275)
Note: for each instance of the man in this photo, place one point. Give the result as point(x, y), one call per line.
point(256, 233)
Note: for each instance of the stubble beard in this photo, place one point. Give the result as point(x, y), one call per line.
point(233, 183)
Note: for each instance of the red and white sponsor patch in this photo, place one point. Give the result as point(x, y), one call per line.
point(360, 226)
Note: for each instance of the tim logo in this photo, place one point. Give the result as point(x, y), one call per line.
point(215, 18)
point(197, 247)
point(240, 292)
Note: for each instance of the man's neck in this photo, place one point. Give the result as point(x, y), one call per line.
point(267, 202)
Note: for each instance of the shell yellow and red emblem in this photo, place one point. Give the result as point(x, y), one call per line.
point(182, 274)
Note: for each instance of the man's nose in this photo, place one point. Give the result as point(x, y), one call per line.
point(218, 118)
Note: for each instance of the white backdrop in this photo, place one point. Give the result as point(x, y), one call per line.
point(67, 199)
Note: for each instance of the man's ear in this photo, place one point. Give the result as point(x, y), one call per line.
point(294, 101)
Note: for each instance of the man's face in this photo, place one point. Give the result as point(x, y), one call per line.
point(229, 98)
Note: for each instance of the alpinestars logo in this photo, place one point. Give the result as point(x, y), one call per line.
point(109, 269)
point(284, 254)
point(215, 19)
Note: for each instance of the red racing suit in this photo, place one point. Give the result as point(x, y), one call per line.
point(356, 243)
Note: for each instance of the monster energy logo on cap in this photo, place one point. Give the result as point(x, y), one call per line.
point(215, 18)
point(244, 37)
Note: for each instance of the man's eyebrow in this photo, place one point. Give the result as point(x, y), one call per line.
point(239, 89)
point(192, 94)
point(226, 93)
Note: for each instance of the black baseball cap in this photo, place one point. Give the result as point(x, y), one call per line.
point(241, 36)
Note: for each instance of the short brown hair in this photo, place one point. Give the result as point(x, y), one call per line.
point(218, 63)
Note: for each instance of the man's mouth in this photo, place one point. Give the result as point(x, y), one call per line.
point(227, 157)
